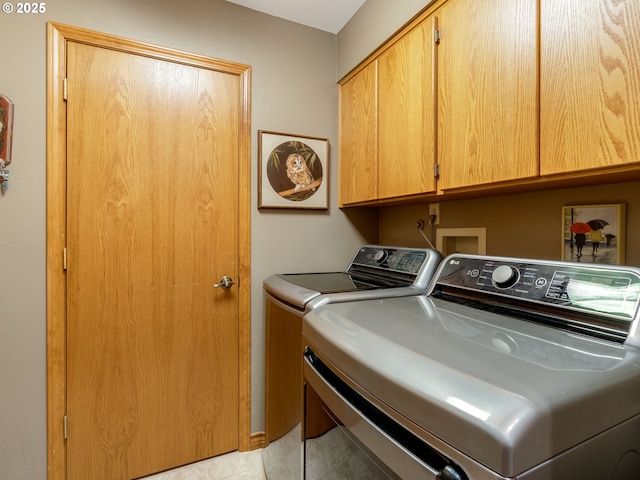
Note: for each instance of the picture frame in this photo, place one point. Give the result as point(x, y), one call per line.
point(6, 130)
point(293, 171)
point(594, 233)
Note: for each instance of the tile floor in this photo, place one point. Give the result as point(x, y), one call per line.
point(274, 463)
point(334, 455)
point(233, 466)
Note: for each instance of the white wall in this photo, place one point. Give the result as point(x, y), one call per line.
point(294, 91)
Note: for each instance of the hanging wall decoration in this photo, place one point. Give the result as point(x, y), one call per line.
point(292, 171)
point(6, 131)
point(594, 233)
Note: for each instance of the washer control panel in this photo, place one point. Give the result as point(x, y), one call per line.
point(609, 290)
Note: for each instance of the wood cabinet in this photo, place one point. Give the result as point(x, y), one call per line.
point(406, 115)
point(487, 92)
point(468, 104)
point(387, 123)
point(517, 95)
point(358, 138)
point(590, 85)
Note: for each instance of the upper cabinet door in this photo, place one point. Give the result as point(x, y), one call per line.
point(358, 156)
point(590, 84)
point(487, 84)
point(406, 115)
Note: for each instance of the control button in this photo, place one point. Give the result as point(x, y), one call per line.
point(541, 282)
point(474, 273)
point(505, 276)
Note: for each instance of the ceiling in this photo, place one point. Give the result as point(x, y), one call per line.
point(327, 15)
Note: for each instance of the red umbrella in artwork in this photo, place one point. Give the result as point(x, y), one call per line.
point(580, 227)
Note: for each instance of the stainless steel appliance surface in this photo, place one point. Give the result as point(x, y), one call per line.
point(505, 368)
point(375, 271)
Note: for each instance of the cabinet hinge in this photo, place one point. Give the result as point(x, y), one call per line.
point(64, 258)
point(64, 426)
point(65, 89)
point(436, 170)
point(436, 37)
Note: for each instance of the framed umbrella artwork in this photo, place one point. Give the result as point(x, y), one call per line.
point(594, 233)
point(293, 171)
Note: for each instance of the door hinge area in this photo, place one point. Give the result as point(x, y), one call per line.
point(436, 37)
point(436, 170)
point(64, 427)
point(64, 258)
point(65, 89)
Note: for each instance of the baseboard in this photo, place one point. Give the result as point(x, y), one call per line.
point(258, 440)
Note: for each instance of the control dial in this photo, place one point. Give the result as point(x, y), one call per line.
point(380, 256)
point(505, 276)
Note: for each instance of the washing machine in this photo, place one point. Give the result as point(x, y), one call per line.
point(505, 368)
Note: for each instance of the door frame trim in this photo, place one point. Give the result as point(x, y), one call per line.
point(57, 37)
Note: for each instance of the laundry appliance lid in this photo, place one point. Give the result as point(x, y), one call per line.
point(299, 289)
point(330, 282)
point(508, 393)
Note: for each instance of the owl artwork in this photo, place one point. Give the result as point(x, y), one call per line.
point(295, 173)
point(298, 171)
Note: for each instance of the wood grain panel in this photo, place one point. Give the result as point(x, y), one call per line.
point(406, 125)
point(56, 241)
point(487, 82)
point(58, 36)
point(358, 167)
point(152, 347)
point(283, 371)
point(590, 84)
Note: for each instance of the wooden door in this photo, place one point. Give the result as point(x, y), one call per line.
point(487, 83)
point(590, 94)
point(406, 125)
point(152, 185)
point(358, 137)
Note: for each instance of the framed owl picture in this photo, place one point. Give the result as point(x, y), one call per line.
point(293, 171)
